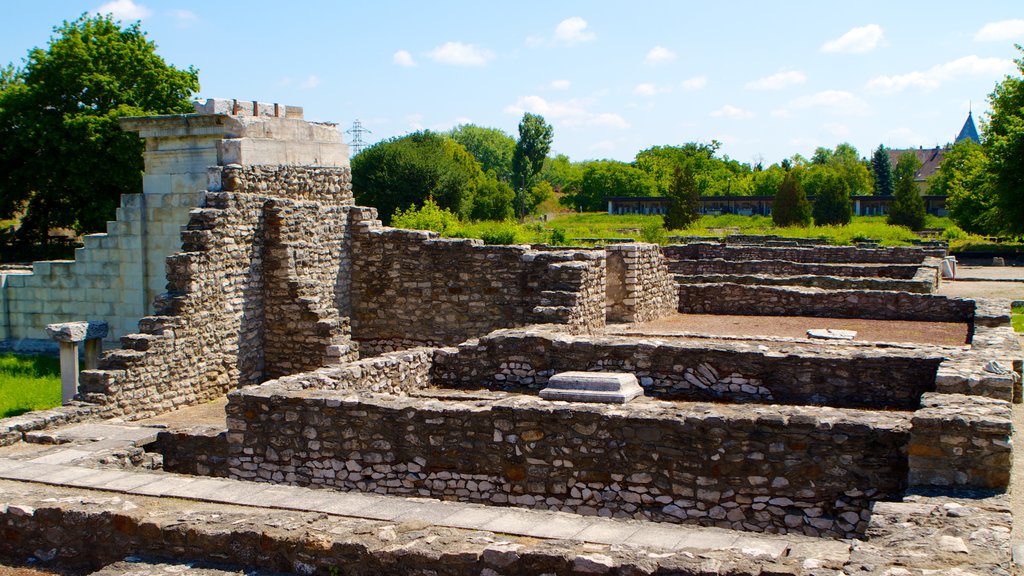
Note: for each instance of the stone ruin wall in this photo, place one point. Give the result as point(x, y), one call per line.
point(810, 254)
point(639, 286)
point(523, 361)
point(730, 298)
point(779, 267)
point(411, 288)
point(775, 469)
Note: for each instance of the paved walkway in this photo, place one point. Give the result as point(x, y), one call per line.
point(78, 447)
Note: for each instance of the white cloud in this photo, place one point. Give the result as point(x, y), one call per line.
point(311, 82)
point(695, 83)
point(941, 73)
point(1000, 31)
point(730, 111)
point(124, 10)
point(658, 55)
point(602, 146)
point(570, 113)
point(459, 54)
point(573, 31)
point(403, 59)
point(831, 101)
point(777, 81)
point(560, 84)
point(856, 41)
point(836, 129)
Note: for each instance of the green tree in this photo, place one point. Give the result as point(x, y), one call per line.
point(767, 182)
point(492, 148)
point(401, 172)
point(1004, 143)
point(790, 206)
point(535, 136)
point(963, 178)
point(684, 200)
point(563, 174)
point(881, 168)
point(604, 178)
point(907, 207)
point(493, 200)
point(846, 161)
point(832, 203)
point(65, 160)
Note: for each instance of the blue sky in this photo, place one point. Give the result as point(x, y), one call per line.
point(766, 79)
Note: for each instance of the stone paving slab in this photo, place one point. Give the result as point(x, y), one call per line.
point(75, 477)
point(607, 532)
point(162, 487)
point(100, 479)
point(65, 456)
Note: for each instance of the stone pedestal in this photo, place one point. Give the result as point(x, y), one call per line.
point(606, 387)
point(68, 335)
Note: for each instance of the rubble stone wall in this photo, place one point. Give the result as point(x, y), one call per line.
point(961, 441)
point(813, 281)
point(639, 286)
point(524, 360)
point(812, 254)
point(776, 469)
point(412, 288)
point(729, 298)
point(788, 268)
point(207, 336)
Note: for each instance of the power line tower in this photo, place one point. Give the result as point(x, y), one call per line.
point(356, 131)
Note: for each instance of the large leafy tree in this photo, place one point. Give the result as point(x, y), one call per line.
point(881, 168)
point(832, 201)
point(1004, 142)
point(684, 200)
point(535, 136)
point(401, 172)
point(492, 148)
point(907, 207)
point(604, 178)
point(963, 178)
point(65, 161)
point(846, 162)
point(790, 206)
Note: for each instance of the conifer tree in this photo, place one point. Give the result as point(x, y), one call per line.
point(684, 199)
point(832, 204)
point(790, 206)
point(881, 166)
point(907, 206)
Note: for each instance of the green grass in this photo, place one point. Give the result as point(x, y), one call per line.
point(28, 383)
point(1017, 318)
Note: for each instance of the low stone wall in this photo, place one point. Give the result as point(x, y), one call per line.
point(410, 285)
point(813, 281)
point(523, 360)
point(772, 468)
point(813, 254)
point(639, 286)
point(197, 451)
point(961, 441)
point(728, 298)
point(787, 268)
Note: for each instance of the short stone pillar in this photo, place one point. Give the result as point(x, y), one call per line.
point(68, 335)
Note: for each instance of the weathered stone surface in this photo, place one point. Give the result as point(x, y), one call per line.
point(77, 331)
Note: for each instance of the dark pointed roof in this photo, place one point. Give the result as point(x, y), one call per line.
point(969, 131)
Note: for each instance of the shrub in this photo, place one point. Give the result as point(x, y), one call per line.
point(429, 217)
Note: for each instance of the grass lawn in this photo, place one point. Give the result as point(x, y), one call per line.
point(1017, 317)
point(28, 383)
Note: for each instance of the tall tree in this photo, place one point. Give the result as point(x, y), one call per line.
point(964, 179)
point(1004, 142)
point(65, 159)
point(881, 168)
point(907, 207)
point(790, 206)
point(491, 147)
point(604, 178)
point(535, 136)
point(832, 203)
point(684, 200)
point(398, 173)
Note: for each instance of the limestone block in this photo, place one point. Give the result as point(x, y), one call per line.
point(606, 387)
point(77, 331)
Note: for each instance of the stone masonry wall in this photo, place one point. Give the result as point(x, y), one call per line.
point(775, 468)
point(524, 360)
point(815, 254)
point(728, 298)
point(814, 281)
point(639, 286)
point(411, 287)
point(786, 268)
point(207, 337)
point(961, 441)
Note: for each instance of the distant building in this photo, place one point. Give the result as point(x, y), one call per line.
point(931, 158)
point(758, 205)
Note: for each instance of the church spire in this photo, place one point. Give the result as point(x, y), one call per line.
point(969, 131)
